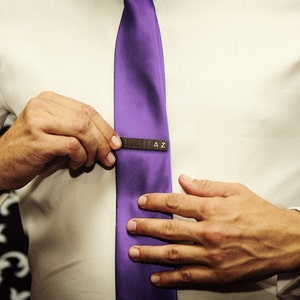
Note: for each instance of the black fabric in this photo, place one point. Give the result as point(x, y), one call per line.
point(15, 277)
point(14, 271)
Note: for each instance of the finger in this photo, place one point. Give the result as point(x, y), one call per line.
point(94, 143)
point(108, 132)
point(77, 126)
point(198, 276)
point(188, 206)
point(62, 146)
point(79, 123)
point(173, 254)
point(110, 135)
point(207, 188)
point(171, 230)
point(73, 118)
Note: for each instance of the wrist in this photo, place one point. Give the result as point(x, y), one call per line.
point(291, 241)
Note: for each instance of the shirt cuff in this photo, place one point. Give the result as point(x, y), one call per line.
point(3, 196)
point(295, 208)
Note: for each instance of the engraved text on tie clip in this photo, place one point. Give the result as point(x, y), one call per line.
point(144, 144)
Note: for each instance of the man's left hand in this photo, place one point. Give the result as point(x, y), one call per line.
point(236, 236)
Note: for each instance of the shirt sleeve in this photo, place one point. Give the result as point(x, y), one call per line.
point(3, 115)
point(288, 286)
point(3, 197)
point(4, 112)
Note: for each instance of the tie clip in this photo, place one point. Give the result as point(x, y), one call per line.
point(144, 144)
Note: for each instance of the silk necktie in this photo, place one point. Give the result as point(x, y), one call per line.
point(140, 112)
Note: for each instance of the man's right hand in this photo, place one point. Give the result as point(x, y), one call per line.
point(52, 126)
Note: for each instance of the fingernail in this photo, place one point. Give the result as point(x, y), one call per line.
point(131, 226)
point(90, 164)
point(110, 158)
point(142, 201)
point(186, 178)
point(134, 253)
point(155, 279)
point(116, 141)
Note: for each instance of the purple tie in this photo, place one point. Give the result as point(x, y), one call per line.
point(143, 164)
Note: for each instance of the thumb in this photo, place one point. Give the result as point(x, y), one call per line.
point(207, 188)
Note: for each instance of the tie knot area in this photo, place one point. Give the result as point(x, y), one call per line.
point(139, 9)
point(138, 3)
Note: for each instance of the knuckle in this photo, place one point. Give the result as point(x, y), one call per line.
point(236, 188)
point(240, 187)
point(222, 276)
point(92, 113)
point(213, 236)
point(46, 95)
point(32, 116)
point(217, 276)
point(31, 123)
point(88, 110)
point(173, 254)
point(173, 202)
point(169, 229)
point(73, 145)
point(34, 104)
point(215, 256)
point(186, 276)
point(212, 207)
point(81, 124)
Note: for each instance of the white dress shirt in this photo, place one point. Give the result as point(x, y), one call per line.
point(233, 90)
